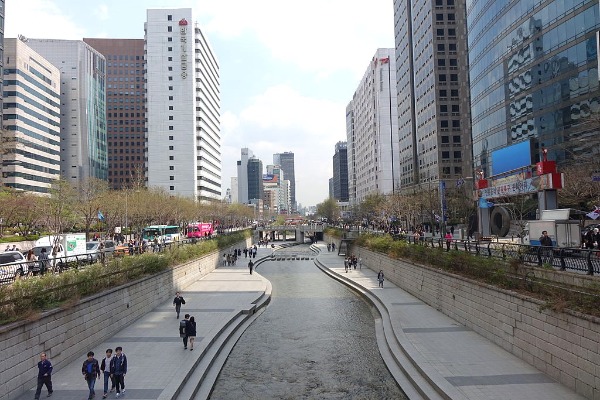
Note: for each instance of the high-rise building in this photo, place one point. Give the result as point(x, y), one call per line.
point(183, 110)
point(234, 190)
point(2, 19)
point(255, 180)
point(31, 156)
point(534, 76)
point(433, 92)
point(125, 110)
point(340, 172)
point(83, 149)
point(286, 162)
point(242, 175)
point(372, 131)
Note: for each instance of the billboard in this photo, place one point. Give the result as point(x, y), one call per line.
point(511, 157)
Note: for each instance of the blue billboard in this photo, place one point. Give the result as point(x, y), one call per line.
point(511, 157)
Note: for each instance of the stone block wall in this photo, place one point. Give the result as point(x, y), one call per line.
point(566, 346)
point(66, 334)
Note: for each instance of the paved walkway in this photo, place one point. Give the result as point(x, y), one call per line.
point(158, 365)
point(463, 364)
point(459, 363)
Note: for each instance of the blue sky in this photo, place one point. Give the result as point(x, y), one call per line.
point(288, 69)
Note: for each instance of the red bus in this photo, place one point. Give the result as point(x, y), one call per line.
point(199, 229)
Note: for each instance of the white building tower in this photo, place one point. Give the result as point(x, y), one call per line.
point(183, 106)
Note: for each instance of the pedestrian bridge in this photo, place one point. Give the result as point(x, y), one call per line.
point(300, 231)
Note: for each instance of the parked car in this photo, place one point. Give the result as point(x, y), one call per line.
point(93, 249)
point(12, 265)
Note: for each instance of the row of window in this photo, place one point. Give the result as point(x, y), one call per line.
point(124, 57)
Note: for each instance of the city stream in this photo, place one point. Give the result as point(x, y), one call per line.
point(315, 340)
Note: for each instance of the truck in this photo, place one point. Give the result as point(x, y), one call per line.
point(62, 248)
point(563, 231)
point(199, 230)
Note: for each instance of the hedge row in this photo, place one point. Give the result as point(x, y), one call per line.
point(27, 298)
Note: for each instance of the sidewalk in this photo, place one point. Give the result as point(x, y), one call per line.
point(458, 363)
point(159, 367)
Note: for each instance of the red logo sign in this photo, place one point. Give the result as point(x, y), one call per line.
point(183, 22)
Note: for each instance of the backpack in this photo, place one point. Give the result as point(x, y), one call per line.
point(182, 324)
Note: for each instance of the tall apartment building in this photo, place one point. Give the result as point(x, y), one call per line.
point(242, 175)
point(340, 172)
point(286, 162)
point(31, 157)
point(372, 131)
point(183, 106)
point(534, 76)
point(2, 22)
point(255, 180)
point(125, 110)
point(83, 149)
point(433, 92)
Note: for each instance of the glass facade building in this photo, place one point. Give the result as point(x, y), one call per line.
point(286, 161)
point(534, 76)
point(340, 172)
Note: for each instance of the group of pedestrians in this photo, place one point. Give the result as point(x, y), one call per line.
point(187, 326)
point(113, 368)
point(351, 262)
point(330, 246)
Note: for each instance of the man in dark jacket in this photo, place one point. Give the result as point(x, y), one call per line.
point(91, 371)
point(44, 376)
point(545, 240)
point(177, 302)
point(118, 369)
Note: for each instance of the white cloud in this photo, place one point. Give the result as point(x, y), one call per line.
point(281, 116)
point(101, 12)
point(321, 36)
point(41, 19)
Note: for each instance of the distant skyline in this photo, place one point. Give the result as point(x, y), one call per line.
point(287, 71)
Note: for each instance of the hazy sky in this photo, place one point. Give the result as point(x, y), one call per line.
point(288, 69)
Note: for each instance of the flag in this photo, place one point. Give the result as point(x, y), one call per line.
point(594, 214)
point(384, 60)
point(483, 203)
point(100, 216)
point(460, 182)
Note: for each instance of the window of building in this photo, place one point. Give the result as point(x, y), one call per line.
point(443, 93)
point(171, 168)
point(170, 69)
point(169, 49)
point(439, 17)
point(169, 39)
point(452, 46)
point(453, 62)
point(458, 154)
point(171, 187)
point(169, 17)
point(170, 128)
point(455, 108)
point(170, 137)
point(441, 62)
point(171, 158)
point(442, 77)
point(170, 147)
point(451, 17)
point(171, 178)
point(445, 139)
point(170, 78)
point(440, 32)
point(456, 139)
point(169, 29)
point(454, 92)
point(453, 78)
point(441, 47)
point(443, 108)
point(451, 32)
point(444, 123)
point(456, 123)
point(170, 108)
point(170, 58)
point(445, 155)
point(170, 118)
point(170, 97)
point(458, 170)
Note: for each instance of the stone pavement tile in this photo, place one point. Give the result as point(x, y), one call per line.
point(474, 365)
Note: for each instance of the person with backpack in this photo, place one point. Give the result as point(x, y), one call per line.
point(190, 331)
point(90, 371)
point(118, 369)
point(182, 330)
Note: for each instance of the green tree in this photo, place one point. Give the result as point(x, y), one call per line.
point(329, 209)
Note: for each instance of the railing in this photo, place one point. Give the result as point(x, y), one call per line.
point(576, 259)
point(25, 269)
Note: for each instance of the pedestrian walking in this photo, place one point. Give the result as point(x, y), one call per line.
point(44, 376)
point(182, 330)
point(346, 264)
point(91, 371)
point(448, 238)
point(43, 260)
point(105, 368)
point(190, 330)
point(118, 369)
point(380, 278)
point(359, 262)
point(177, 302)
point(250, 266)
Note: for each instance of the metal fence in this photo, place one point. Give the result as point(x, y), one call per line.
point(582, 260)
point(24, 269)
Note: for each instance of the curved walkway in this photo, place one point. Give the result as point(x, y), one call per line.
point(429, 354)
point(434, 357)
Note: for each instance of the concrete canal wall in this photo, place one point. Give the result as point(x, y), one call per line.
point(68, 334)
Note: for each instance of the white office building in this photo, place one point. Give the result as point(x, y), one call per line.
point(242, 175)
point(83, 147)
point(31, 158)
point(183, 106)
point(372, 131)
